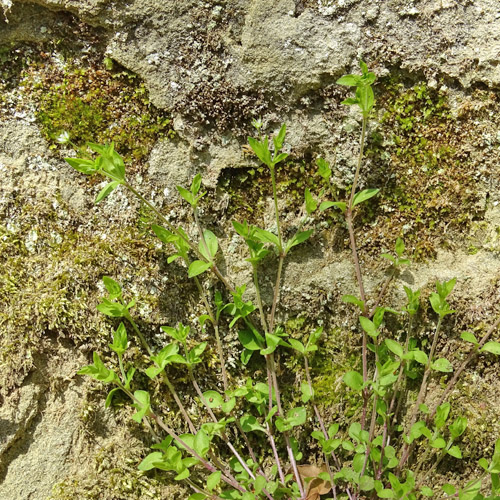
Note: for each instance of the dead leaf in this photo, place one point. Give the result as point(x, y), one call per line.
point(315, 486)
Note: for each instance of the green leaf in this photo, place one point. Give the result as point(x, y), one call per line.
point(493, 347)
point(213, 399)
point(213, 480)
point(442, 365)
point(201, 443)
point(114, 289)
point(311, 203)
point(313, 340)
point(307, 392)
point(337, 204)
point(366, 98)
point(112, 309)
point(98, 371)
point(457, 428)
point(227, 406)
point(87, 167)
point(212, 244)
point(368, 326)
point(120, 341)
point(109, 398)
point(297, 416)
point(298, 346)
point(449, 489)
point(324, 168)
point(426, 491)
point(419, 356)
point(366, 483)
point(261, 149)
point(266, 237)
point(187, 195)
point(454, 451)
point(349, 80)
point(279, 139)
point(438, 443)
point(142, 405)
point(198, 267)
point(298, 238)
point(245, 356)
point(400, 247)
point(106, 191)
point(469, 337)
point(249, 341)
point(150, 460)
point(196, 184)
point(259, 484)
point(445, 288)
point(250, 424)
point(351, 299)
point(394, 347)
point(354, 380)
point(164, 235)
point(364, 195)
point(442, 413)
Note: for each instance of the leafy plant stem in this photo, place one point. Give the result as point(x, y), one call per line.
point(268, 424)
point(470, 357)
point(276, 292)
point(322, 426)
point(230, 480)
point(275, 196)
point(122, 371)
point(360, 159)
point(171, 388)
point(389, 420)
point(200, 230)
point(259, 298)
point(407, 449)
point(215, 324)
point(223, 433)
point(382, 293)
point(286, 435)
point(172, 228)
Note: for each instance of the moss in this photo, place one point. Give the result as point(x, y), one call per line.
point(328, 368)
point(250, 189)
point(48, 281)
point(97, 105)
point(116, 476)
point(422, 161)
point(93, 99)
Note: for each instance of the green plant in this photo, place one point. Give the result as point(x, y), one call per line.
point(389, 448)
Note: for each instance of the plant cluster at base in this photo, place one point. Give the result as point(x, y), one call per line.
point(389, 450)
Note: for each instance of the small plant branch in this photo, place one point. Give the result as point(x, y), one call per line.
point(470, 357)
point(323, 428)
point(215, 324)
point(275, 197)
point(276, 292)
point(223, 433)
point(381, 294)
point(173, 229)
point(164, 376)
point(231, 481)
point(421, 396)
point(259, 298)
point(286, 435)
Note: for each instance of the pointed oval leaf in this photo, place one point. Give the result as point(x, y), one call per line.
point(364, 195)
point(198, 267)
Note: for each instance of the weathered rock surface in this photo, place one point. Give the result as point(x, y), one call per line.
point(215, 65)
